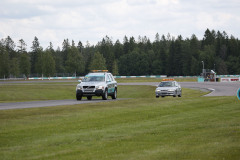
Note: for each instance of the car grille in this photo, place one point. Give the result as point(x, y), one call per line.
point(88, 88)
point(166, 92)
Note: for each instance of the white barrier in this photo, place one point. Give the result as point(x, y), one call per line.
point(230, 79)
point(50, 78)
point(152, 76)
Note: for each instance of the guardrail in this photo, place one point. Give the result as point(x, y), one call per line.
point(230, 79)
point(54, 78)
point(223, 76)
point(152, 76)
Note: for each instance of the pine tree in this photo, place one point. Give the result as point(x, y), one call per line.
point(115, 68)
point(4, 61)
point(75, 63)
point(48, 64)
point(34, 54)
point(25, 64)
point(98, 62)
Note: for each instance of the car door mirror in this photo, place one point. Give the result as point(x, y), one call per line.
point(79, 81)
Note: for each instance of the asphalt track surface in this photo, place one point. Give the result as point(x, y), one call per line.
point(216, 88)
point(49, 103)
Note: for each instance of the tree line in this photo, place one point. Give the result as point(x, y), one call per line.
point(166, 55)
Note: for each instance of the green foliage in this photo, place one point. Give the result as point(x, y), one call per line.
point(34, 54)
point(98, 62)
point(106, 49)
point(167, 55)
point(74, 62)
point(25, 64)
point(4, 62)
point(48, 64)
point(14, 66)
point(39, 62)
point(115, 68)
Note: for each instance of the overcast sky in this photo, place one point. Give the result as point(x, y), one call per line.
point(91, 20)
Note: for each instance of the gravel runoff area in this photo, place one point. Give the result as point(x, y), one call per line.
point(216, 88)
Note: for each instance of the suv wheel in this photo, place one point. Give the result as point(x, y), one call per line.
point(78, 97)
point(105, 95)
point(114, 96)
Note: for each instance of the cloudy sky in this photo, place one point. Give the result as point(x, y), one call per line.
point(91, 20)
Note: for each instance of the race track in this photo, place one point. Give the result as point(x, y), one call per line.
point(49, 103)
point(216, 88)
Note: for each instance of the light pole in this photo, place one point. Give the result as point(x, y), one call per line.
point(203, 65)
point(203, 69)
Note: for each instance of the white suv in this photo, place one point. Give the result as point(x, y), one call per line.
point(97, 83)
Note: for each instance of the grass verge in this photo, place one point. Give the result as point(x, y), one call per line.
point(34, 92)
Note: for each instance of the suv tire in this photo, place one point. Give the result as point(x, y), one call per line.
point(105, 95)
point(79, 98)
point(114, 96)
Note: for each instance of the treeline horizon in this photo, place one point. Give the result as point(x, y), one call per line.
point(166, 55)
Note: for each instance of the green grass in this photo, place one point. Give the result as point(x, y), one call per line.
point(33, 92)
point(48, 91)
point(143, 127)
point(55, 91)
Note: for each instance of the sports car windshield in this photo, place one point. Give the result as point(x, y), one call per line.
point(166, 84)
point(94, 79)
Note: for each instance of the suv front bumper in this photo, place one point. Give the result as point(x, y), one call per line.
point(97, 92)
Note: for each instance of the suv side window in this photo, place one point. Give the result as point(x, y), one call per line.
point(112, 77)
point(109, 78)
point(177, 84)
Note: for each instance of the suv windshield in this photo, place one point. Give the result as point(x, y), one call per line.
point(166, 84)
point(94, 79)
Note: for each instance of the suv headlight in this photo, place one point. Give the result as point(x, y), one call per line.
point(100, 87)
point(158, 90)
point(79, 88)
